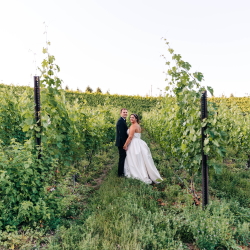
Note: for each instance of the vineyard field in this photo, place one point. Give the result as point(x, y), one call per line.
point(133, 103)
point(64, 193)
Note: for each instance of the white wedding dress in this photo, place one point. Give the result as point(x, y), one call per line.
point(139, 163)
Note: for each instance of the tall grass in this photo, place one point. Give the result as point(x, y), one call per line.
point(126, 214)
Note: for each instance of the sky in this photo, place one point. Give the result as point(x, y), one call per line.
point(117, 45)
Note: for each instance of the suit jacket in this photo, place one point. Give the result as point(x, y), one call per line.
point(121, 132)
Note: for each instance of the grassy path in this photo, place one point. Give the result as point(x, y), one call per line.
point(126, 214)
point(105, 212)
point(122, 214)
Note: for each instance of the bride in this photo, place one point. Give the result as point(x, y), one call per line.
point(139, 163)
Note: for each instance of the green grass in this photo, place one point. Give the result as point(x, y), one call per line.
point(126, 214)
point(232, 184)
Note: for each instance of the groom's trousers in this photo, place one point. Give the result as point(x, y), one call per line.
point(122, 156)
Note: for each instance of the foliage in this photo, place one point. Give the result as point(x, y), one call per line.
point(24, 181)
point(126, 213)
point(76, 193)
point(123, 216)
point(212, 228)
point(98, 90)
point(232, 185)
point(243, 103)
point(69, 134)
point(176, 122)
point(77, 131)
point(10, 116)
point(136, 104)
point(88, 89)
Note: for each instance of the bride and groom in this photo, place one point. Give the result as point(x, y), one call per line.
point(135, 159)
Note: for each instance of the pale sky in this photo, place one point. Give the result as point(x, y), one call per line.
point(116, 45)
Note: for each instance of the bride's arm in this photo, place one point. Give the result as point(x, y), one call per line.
point(130, 137)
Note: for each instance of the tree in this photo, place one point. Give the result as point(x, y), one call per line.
point(98, 90)
point(78, 90)
point(88, 89)
point(66, 87)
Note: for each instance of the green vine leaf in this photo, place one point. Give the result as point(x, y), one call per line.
point(45, 50)
point(199, 76)
point(211, 91)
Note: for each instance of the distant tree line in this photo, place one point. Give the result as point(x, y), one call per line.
point(87, 90)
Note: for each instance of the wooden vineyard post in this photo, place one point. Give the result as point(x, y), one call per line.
point(204, 157)
point(37, 112)
point(248, 162)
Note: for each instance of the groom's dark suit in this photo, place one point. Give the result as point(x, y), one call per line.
point(121, 137)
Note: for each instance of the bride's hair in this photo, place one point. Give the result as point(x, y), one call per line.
point(136, 117)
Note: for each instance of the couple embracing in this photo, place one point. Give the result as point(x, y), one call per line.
point(135, 159)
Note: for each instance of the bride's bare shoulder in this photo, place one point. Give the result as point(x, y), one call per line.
point(138, 128)
point(132, 127)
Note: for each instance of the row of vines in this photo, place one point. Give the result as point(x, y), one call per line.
point(69, 132)
point(137, 104)
point(75, 126)
point(176, 122)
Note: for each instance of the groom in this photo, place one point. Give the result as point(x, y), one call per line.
point(121, 137)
